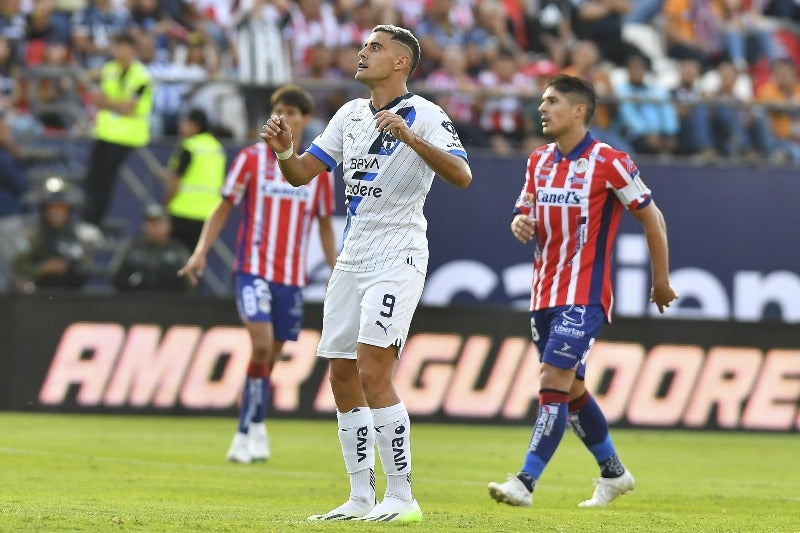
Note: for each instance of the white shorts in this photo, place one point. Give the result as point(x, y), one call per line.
point(373, 308)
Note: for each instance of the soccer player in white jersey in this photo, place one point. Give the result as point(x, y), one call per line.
point(575, 191)
point(390, 146)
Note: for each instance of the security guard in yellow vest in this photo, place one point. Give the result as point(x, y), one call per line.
point(194, 177)
point(124, 103)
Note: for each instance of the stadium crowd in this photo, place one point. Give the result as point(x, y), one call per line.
point(711, 80)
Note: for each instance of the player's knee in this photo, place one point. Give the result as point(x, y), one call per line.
point(374, 380)
point(261, 352)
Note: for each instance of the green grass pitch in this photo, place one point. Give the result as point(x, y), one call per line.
point(129, 473)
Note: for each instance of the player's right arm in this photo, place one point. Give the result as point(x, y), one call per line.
point(297, 169)
point(194, 267)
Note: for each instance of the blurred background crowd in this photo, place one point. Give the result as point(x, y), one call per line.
point(707, 81)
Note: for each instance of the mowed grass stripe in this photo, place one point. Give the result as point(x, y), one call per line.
point(110, 473)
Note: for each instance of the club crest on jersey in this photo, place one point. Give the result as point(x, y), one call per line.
point(388, 141)
point(629, 164)
point(581, 166)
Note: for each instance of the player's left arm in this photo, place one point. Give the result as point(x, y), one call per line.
point(655, 230)
point(452, 168)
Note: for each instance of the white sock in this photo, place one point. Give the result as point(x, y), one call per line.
point(357, 437)
point(393, 435)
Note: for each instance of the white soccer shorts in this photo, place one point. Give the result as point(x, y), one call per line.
point(373, 308)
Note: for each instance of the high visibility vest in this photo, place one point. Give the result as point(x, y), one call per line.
point(118, 86)
point(200, 186)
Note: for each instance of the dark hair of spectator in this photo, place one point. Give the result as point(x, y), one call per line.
point(294, 96)
point(124, 38)
point(404, 37)
point(576, 89)
point(199, 118)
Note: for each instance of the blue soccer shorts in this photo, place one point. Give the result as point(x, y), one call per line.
point(565, 334)
point(259, 300)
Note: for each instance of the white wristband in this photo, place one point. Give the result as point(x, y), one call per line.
point(286, 154)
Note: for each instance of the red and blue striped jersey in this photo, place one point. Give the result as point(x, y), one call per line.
point(276, 217)
point(577, 199)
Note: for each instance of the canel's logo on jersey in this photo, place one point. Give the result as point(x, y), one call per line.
point(558, 197)
point(285, 190)
point(364, 163)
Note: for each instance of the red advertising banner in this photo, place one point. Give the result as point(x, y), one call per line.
point(174, 354)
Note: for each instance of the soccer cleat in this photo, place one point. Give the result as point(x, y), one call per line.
point(258, 442)
point(349, 510)
point(607, 489)
point(393, 509)
point(512, 491)
point(238, 452)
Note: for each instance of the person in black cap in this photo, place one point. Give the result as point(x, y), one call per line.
point(54, 253)
point(151, 261)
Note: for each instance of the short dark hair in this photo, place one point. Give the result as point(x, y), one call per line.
point(576, 88)
point(124, 37)
point(404, 37)
point(199, 118)
point(295, 96)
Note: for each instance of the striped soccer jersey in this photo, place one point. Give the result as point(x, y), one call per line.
point(578, 199)
point(276, 217)
point(385, 181)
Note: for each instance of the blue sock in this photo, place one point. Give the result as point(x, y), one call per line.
point(590, 425)
point(250, 394)
point(260, 412)
point(547, 433)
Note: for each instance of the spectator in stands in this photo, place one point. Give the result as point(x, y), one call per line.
point(647, 118)
point(492, 31)
point(310, 22)
point(54, 254)
point(747, 34)
point(151, 261)
point(149, 18)
point(694, 118)
point(502, 116)
point(173, 83)
point(55, 99)
point(601, 21)
point(194, 177)
point(12, 26)
point(455, 91)
point(436, 32)
point(739, 129)
point(13, 186)
point(549, 29)
point(781, 98)
point(262, 54)
point(693, 30)
point(9, 74)
point(93, 29)
point(643, 11)
point(124, 103)
point(585, 63)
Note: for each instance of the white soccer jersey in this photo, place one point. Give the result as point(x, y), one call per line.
point(385, 181)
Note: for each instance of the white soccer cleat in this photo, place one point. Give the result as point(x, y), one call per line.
point(512, 491)
point(258, 442)
point(349, 510)
point(238, 452)
point(393, 509)
point(607, 489)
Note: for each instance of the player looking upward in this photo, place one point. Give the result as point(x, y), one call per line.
point(390, 146)
point(270, 261)
point(574, 193)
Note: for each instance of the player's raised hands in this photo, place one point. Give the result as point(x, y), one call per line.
point(277, 133)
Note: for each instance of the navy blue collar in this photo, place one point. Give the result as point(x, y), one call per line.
point(390, 104)
point(577, 151)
